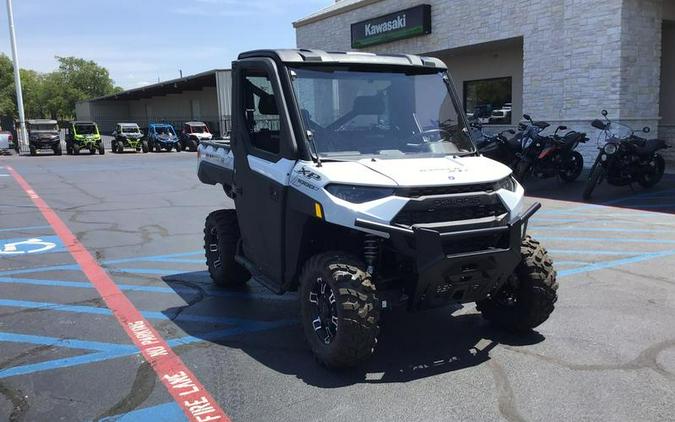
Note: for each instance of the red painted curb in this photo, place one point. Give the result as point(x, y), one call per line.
point(181, 383)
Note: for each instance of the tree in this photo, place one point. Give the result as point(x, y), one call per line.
point(53, 94)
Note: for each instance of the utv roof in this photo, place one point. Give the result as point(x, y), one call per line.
point(160, 125)
point(348, 57)
point(41, 122)
point(195, 123)
point(83, 122)
point(128, 124)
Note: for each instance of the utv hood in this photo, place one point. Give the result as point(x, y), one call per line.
point(442, 171)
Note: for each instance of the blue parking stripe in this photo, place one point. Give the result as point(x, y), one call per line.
point(152, 257)
point(606, 239)
point(63, 342)
point(167, 412)
point(598, 229)
point(591, 252)
point(64, 363)
point(178, 260)
point(289, 297)
point(47, 306)
point(615, 263)
point(19, 229)
point(154, 271)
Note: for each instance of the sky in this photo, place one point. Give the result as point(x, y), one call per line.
point(139, 41)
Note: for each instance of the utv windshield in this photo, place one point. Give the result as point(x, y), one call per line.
point(355, 112)
point(45, 127)
point(165, 130)
point(129, 129)
point(85, 129)
point(198, 129)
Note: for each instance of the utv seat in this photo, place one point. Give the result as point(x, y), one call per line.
point(266, 138)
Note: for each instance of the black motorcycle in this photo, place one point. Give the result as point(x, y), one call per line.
point(498, 147)
point(549, 156)
point(624, 160)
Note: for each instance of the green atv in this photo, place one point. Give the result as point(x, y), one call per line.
point(128, 135)
point(83, 136)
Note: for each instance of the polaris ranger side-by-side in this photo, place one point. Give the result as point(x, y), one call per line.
point(83, 135)
point(193, 133)
point(43, 134)
point(162, 136)
point(356, 183)
point(128, 135)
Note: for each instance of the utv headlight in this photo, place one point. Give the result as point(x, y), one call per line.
point(358, 194)
point(508, 183)
point(610, 149)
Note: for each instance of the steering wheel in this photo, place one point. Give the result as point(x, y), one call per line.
point(421, 135)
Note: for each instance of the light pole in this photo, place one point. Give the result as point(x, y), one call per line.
point(17, 75)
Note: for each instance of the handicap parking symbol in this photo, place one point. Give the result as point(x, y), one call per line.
point(35, 245)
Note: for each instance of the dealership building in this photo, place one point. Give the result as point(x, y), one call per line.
point(562, 61)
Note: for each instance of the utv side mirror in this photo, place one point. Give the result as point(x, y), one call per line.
point(604, 113)
point(527, 117)
point(646, 129)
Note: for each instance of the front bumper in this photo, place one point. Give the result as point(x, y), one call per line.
point(454, 265)
point(44, 143)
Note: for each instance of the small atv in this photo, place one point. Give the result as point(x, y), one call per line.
point(83, 136)
point(128, 135)
point(193, 133)
point(162, 136)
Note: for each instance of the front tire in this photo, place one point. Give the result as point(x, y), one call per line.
point(339, 309)
point(651, 176)
point(76, 150)
point(58, 150)
point(144, 146)
point(528, 298)
point(193, 145)
point(572, 167)
point(101, 148)
point(178, 147)
point(33, 150)
point(593, 180)
point(221, 234)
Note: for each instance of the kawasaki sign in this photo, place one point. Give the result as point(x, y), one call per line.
point(394, 26)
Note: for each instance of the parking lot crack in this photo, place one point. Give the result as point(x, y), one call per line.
point(505, 397)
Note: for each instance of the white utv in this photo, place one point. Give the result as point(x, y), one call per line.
point(355, 182)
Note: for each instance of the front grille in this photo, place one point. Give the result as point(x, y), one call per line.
point(427, 212)
point(477, 243)
point(416, 192)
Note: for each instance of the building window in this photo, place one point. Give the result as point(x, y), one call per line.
point(488, 100)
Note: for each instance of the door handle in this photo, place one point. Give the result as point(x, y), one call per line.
point(274, 193)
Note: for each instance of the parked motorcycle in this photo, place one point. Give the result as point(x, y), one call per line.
point(549, 156)
point(498, 147)
point(624, 160)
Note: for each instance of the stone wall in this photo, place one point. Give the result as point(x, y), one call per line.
point(579, 56)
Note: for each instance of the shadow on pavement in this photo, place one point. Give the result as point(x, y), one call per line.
point(660, 198)
point(411, 345)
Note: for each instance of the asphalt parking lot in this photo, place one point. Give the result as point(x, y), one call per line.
point(607, 352)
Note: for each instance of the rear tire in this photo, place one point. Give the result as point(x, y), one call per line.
point(657, 167)
point(221, 234)
point(339, 310)
point(58, 150)
point(193, 144)
point(144, 146)
point(573, 167)
point(178, 147)
point(528, 303)
point(76, 149)
point(593, 180)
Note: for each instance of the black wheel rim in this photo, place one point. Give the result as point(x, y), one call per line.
point(213, 248)
point(324, 317)
point(573, 167)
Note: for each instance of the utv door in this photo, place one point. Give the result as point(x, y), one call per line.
point(262, 145)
